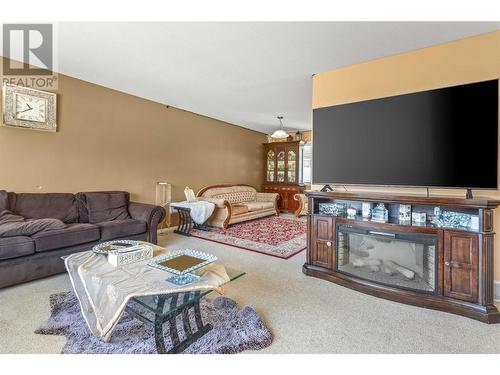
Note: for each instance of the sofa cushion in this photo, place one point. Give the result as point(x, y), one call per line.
point(3, 200)
point(238, 209)
point(258, 206)
point(121, 228)
point(13, 247)
point(107, 206)
point(60, 206)
point(73, 234)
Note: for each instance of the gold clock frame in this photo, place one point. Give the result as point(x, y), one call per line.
point(9, 112)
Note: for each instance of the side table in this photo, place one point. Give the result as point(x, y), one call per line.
point(192, 214)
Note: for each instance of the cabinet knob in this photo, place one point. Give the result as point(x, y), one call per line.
point(329, 244)
point(447, 263)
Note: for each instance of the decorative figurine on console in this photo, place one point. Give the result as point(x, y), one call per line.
point(351, 212)
point(380, 213)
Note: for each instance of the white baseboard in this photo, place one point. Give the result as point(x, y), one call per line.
point(496, 290)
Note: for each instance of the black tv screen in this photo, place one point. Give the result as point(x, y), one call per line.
point(443, 138)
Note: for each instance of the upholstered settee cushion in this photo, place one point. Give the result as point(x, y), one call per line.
point(60, 206)
point(258, 206)
point(14, 247)
point(73, 234)
point(121, 228)
point(107, 206)
point(238, 209)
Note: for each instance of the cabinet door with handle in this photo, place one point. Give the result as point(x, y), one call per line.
point(322, 251)
point(461, 262)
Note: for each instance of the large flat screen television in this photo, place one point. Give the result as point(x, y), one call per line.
point(446, 137)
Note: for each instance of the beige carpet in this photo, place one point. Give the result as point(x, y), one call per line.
point(306, 315)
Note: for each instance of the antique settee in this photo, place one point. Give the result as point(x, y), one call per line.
point(237, 203)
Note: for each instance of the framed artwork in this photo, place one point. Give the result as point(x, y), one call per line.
point(24, 107)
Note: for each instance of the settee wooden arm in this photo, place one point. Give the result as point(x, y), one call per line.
point(302, 199)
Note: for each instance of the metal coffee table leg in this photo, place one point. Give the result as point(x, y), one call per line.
point(185, 221)
point(179, 345)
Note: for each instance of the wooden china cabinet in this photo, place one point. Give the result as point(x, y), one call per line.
point(282, 172)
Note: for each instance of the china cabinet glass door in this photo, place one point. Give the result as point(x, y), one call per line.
point(291, 166)
point(280, 167)
point(270, 166)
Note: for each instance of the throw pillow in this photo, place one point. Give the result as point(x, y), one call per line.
point(107, 206)
point(14, 225)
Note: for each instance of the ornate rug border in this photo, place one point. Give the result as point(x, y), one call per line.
point(252, 250)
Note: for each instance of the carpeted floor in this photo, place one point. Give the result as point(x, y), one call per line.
point(281, 237)
point(304, 314)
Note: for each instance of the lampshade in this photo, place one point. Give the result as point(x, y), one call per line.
point(280, 133)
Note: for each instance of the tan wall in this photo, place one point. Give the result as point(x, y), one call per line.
point(110, 140)
point(459, 62)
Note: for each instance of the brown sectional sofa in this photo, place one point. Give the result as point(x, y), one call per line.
point(90, 218)
point(238, 203)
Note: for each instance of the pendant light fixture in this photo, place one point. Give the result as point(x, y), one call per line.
point(280, 133)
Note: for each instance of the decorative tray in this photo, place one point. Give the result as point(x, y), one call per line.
point(181, 263)
point(116, 246)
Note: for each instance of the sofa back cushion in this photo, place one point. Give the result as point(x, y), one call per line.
point(233, 194)
point(60, 206)
point(3, 200)
point(100, 206)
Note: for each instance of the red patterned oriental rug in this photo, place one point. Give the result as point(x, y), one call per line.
point(281, 237)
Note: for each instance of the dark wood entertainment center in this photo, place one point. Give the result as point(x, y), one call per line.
point(454, 265)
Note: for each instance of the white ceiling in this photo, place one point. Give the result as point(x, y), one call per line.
point(242, 73)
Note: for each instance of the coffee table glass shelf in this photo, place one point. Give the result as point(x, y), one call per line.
point(160, 309)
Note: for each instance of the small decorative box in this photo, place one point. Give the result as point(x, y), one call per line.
point(333, 209)
point(130, 255)
point(405, 212)
point(418, 217)
point(366, 210)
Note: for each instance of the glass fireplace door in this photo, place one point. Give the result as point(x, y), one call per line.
point(403, 260)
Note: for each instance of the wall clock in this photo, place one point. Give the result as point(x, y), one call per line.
point(24, 107)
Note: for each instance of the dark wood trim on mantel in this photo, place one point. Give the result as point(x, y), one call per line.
point(488, 203)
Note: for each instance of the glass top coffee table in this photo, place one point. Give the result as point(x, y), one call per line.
point(160, 309)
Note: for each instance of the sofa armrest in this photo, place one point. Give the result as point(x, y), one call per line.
point(152, 215)
point(219, 202)
point(269, 197)
point(266, 197)
point(221, 205)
